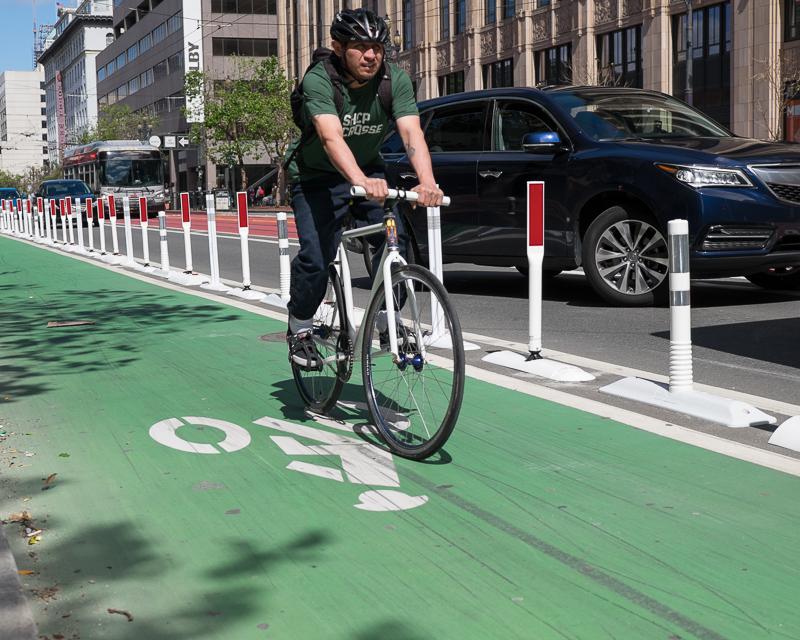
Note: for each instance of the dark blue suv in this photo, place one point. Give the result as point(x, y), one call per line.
point(618, 164)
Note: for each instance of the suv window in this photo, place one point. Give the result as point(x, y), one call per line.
point(457, 128)
point(513, 120)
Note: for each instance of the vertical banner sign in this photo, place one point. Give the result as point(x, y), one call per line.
point(193, 53)
point(61, 117)
point(535, 261)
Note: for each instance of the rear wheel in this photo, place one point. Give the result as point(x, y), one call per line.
point(625, 257)
point(320, 388)
point(777, 278)
point(414, 403)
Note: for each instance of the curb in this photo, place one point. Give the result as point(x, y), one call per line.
point(16, 621)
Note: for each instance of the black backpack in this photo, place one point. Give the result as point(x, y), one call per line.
point(330, 61)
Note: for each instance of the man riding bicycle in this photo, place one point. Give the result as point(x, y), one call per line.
point(342, 149)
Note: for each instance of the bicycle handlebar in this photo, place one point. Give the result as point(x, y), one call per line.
point(395, 194)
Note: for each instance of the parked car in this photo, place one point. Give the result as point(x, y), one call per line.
point(618, 164)
point(59, 189)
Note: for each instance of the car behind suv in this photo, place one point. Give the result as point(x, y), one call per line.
point(618, 164)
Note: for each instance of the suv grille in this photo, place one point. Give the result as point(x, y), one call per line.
point(732, 238)
point(783, 180)
point(788, 192)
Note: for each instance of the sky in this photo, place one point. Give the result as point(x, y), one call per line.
point(16, 30)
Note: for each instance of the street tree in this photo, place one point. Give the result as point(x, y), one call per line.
point(781, 82)
point(118, 122)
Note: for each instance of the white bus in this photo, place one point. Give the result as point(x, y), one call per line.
point(119, 168)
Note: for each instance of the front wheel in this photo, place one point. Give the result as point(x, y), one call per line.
point(625, 257)
point(777, 278)
point(413, 399)
point(321, 388)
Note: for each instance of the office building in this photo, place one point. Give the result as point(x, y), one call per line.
point(23, 128)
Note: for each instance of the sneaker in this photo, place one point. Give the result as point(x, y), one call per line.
point(303, 352)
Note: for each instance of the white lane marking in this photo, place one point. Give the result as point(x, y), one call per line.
point(640, 421)
point(164, 432)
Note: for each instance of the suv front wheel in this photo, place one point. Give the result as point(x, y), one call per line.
point(625, 257)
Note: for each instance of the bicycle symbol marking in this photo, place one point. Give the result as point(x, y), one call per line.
point(359, 461)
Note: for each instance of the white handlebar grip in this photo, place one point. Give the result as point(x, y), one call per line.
point(410, 196)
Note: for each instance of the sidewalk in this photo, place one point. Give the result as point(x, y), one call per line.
point(183, 494)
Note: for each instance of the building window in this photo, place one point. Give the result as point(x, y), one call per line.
point(711, 60)
point(175, 63)
point(145, 43)
point(133, 51)
point(120, 61)
point(175, 22)
point(620, 57)
point(262, 7)
point(444, 19)
point(160, 70)
point(249, 47)
point(499, 74)
point(408, 24)
point(159, 33)
point(791, 20)
point(554, 65)
point(461, 16)
point(101, 73)
point(509, 8)
point(451, 83)
point(491, 11)
point(542, 3)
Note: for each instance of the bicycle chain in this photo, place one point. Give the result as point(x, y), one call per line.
point(345, 345)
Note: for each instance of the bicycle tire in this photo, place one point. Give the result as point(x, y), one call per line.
point(397, 397)
point(320, 390)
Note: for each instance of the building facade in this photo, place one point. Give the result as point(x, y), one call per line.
point(70, 75)
point(23, 125)
point(156, 41)
point(462, 45)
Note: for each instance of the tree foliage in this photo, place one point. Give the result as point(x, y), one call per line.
point(28, 180)
point(118, 122)
point(244, 114)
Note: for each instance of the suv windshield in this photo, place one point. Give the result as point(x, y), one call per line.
point(65, 188)
point(630, 115)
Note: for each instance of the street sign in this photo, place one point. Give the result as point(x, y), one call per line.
point(183, 141)
point(155, 141)
point(169, 142)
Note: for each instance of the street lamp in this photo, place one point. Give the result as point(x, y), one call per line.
point(393, 50)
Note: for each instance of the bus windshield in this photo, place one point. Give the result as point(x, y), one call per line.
point(127, 171)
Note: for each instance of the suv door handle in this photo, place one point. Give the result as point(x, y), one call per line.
point(490, 174)
point(408, 176)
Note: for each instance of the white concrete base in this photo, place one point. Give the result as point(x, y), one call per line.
point(81, 252)
point(110, 258)
point(446, 342)
point(212, 286)
point(275, 300)
point(187, 279)
point(248, 294)
point(144, 269)
point(731, 413)
point(787, 435)
point(543, 368)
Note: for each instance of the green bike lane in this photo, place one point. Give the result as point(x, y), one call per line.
point(538, 521)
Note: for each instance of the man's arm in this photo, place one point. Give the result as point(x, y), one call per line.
point(417, 150)
point(329, 131)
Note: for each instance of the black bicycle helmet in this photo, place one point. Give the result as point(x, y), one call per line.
point(359, 25)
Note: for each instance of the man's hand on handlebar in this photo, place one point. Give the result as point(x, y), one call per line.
point(376, 188)
point(429, 195)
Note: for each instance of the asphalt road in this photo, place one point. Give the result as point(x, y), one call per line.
point(744, 338)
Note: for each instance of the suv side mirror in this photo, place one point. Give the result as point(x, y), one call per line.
point(542, 141)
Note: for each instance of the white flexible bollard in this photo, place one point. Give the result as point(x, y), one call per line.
point(534, 362)
point(53, 220)
point(680, 309)
point(680, 396)
point(34, 221)
point(62, 213)
point(68, 204)
point(47, 220)
point(101, 220)
point(28, 218)
point(285, 262)
point(3, 215)
point(244, 228)
point(213, 256)
point(90, 223)
point(79, 223)
point(188, 276)
point(40, 214)
point(145, 240)
point(112, 214)
point(126, 215)
point(21, 216)
point(162, 236)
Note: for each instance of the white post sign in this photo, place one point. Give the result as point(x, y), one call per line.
point(193, 53)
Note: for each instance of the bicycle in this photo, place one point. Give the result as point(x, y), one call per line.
point(413, 396)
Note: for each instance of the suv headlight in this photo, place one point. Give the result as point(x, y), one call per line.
point(707, 176)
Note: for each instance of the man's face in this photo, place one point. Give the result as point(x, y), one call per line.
point(362, 60)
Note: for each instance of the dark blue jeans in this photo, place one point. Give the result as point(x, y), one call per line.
point(320, 207)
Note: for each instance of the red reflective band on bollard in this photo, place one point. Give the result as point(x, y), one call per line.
point(53, 208)
point(68, 206)
point(536, 214)
point(28, 205)
point(89, 208)
point(100, 209)
point(40, 204)
point(142, 209)
point(112, 207)
point(185, 207)
point(241, 199)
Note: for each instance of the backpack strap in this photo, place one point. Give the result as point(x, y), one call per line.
point(385, 90)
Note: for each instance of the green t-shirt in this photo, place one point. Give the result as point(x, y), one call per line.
point(364, 122)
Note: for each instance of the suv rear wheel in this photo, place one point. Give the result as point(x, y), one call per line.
point(625, 257)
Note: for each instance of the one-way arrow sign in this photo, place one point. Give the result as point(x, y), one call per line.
point(183, 141)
